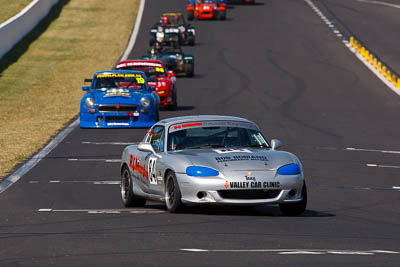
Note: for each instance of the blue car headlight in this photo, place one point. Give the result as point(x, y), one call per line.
point(145, 102)
point(201, 171)
point(89, 102)
point(289, 169)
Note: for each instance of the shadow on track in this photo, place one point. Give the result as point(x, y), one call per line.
point(264, 210)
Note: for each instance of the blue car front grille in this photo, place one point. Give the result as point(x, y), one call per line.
point(117, 108)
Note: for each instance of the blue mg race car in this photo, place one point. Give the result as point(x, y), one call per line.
point(119, 99)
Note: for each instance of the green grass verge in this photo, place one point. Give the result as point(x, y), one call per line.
point(10, 8)
point(41, 78)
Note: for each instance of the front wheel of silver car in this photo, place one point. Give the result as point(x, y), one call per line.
point(173, 194)
point(128, 197)
point(295, 208)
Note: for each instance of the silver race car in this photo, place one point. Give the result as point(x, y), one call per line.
point(218, 160)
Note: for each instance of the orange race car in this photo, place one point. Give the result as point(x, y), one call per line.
point(206, 9)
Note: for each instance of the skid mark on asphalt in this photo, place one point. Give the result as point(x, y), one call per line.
point(363, 188)
point(105, 211)
point(297, 251)
point(108, 143)
point(101, 160)
point(112, 182)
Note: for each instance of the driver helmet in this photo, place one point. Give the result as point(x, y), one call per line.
point(165, 20)
point(157, 46)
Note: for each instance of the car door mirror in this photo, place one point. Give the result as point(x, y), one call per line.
point(275, 144)
point(85, 88)
point(147, 147)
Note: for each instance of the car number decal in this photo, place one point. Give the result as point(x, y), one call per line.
point(151, 167)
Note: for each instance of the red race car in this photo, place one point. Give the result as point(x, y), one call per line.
point(157, 76)
point(206, 9)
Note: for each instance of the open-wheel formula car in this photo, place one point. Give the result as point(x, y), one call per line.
point(206, 9)
point(172, 57)
point(172, 27)
point(217, 160)
point(119, 99)
point(158, 77)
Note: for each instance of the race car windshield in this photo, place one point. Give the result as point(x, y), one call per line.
point(122, 81)
point(215, 137)
point(150, 71)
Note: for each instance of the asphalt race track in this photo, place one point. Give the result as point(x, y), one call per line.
point(275, 63)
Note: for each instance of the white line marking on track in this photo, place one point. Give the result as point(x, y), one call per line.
point(59, 137)
point(372, 150)
point(383, 166)
point(38, 157)
point(301, 252)
point(297, 251)
point(135, 30)
point(358, 55)
point(109, 143)
point(379, 3)
point(105, 211)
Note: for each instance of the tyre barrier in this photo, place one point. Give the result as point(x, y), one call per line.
point(386, 72)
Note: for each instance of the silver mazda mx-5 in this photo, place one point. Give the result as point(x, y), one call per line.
point(218, 160)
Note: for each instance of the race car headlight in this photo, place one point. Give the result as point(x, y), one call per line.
point(144, 102)
point(89, 102)
point(289, 169)
point(200, 171)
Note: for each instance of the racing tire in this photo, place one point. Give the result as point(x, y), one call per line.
point(191, 40)
point(152, 41)
point(295, 208)
point(173, 194)
point(174, 104)
point(128, 197)
point(189, 69)
point(222, 15)
point(190, 15)
point(158, 115)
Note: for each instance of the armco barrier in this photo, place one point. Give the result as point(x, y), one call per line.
point(375, 62)
point(14, 29)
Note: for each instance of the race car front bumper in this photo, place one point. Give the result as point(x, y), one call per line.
point(214, 190)
point(116, 120)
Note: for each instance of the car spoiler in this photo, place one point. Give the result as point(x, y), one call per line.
point(87, 80)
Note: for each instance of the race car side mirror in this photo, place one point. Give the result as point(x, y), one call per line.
point(152, 88)
point(147, 147)
point(275, 144)
point(171, 73)
point(85, 88)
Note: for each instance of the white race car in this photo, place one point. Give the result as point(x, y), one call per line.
point(218, 160)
